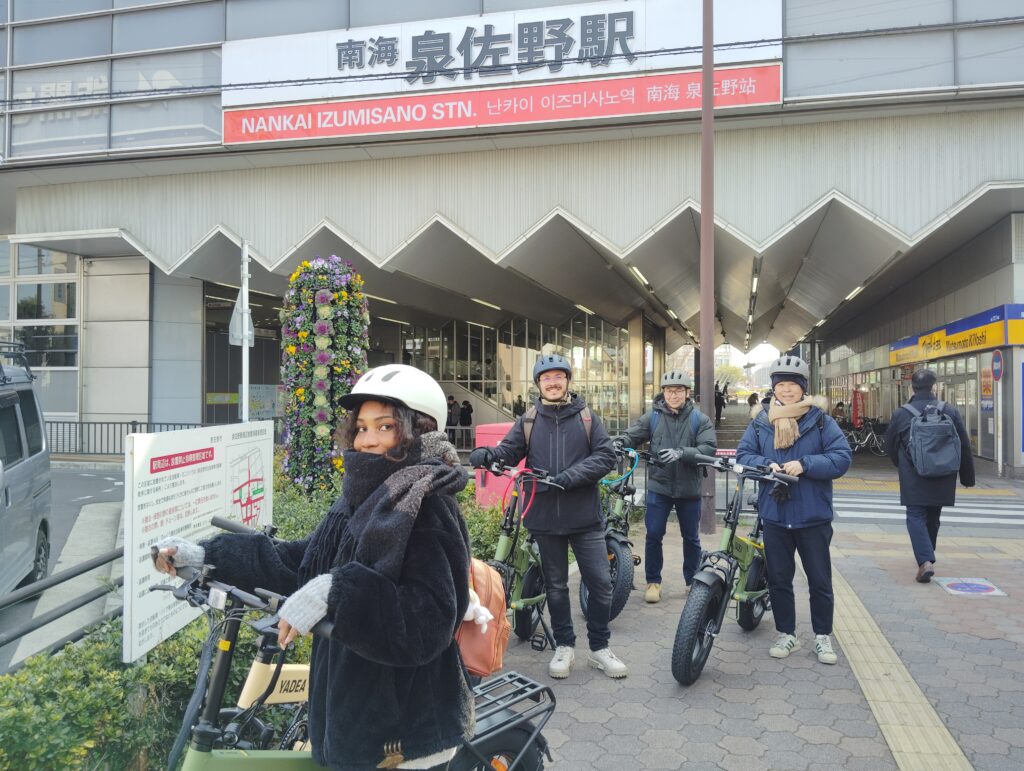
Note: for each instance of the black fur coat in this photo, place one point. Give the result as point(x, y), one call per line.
point(389, 679)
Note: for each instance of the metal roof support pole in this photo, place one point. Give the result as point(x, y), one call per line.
point(707, 247)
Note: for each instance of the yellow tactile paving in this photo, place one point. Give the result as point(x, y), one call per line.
point(892, 486)
point(968, 547)
point(911, 727)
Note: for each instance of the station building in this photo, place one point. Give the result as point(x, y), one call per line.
point(512, 177)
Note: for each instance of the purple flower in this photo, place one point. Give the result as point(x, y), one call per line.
point(323, 357)
point(322, 328)
point(321, 416)
point(320, 385)
point(323, 297)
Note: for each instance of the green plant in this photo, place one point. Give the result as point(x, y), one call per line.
point(324, 344)
point(84, 709)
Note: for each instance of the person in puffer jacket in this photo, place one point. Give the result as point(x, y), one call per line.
point(560, 435)
point(677, 432)
point(796, 436)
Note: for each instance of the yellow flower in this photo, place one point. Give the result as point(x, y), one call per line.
point(344, 295)
point(299, 392)
point(302, 335)
point(291, 350)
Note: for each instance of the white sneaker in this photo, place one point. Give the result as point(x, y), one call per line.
point(608, 662)
point(823, 647)
point(561, 662)
point(784, 645)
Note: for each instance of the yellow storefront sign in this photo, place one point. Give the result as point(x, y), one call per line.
point(938, 344)
point(1015, 331)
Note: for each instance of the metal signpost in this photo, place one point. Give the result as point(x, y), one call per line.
point(241, 332)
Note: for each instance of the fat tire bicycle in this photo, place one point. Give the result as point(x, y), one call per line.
point(517, 557)
point(511, 709)
point(615, 512)
point(736, 571)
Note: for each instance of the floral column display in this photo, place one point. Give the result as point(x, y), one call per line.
point(323, 352)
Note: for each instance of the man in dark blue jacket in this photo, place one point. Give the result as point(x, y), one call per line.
point(794, 435)
point(560, 435)
point(924, 497)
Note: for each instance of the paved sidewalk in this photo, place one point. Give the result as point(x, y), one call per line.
point(939, 683)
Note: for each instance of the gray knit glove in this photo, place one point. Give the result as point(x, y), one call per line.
point(188, 554)
point(308, 605)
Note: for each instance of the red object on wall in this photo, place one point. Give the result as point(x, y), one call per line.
point(489, 487)
point(857, 408)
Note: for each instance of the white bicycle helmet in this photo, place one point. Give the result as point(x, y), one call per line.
point(676, 377)
point(400, 383)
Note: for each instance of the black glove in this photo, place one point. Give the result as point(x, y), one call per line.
point(780, 492)
point(481, 457)
point(562, 480)
point(618, 444)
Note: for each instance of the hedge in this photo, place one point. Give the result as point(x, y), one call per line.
point(84, 709)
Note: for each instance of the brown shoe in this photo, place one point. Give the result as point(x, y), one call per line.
point(925, 572)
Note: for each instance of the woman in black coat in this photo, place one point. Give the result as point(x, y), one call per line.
point(389, 565)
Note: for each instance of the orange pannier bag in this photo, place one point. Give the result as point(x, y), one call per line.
point(482, 651)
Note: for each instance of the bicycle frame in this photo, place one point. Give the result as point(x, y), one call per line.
point(516, 555)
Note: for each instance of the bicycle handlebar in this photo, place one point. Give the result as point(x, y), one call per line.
point(499, 468)
point(763, 473)
point(196, 585)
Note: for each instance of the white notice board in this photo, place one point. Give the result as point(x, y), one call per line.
point(175, 482)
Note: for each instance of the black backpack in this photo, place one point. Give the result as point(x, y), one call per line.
point(933, 445)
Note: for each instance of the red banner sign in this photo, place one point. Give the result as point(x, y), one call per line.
point(180, 460)
point(569, 101)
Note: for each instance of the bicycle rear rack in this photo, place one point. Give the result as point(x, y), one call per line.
point(508, 701)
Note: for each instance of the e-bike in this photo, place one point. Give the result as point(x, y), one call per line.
point(735, 572)
point(615, 512)
point(517, 557)
point(511, 709)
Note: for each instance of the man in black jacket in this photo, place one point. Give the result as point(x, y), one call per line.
point(924, 497)
point(677, 432)
point(560, 435)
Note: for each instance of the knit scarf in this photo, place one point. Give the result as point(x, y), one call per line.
point(372, 520)
point(784, 418)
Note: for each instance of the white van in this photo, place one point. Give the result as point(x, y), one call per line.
point(24, 476)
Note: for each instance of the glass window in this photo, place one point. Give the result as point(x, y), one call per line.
point(42, 9)
point(74, 79)
point(58, 390)
point(63, 40)
point(36, 261)
point(49, 346)
point(168, 27)
point(148, 73)
point(5, 258)
point(59, 131)
point(46, 301)
point(10, 436)
point(166, 122)
point(5, 302)
point(30, 417)
point(263, 18)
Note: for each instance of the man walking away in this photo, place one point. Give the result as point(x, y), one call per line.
point(678, 432)
point(928, 443)
point(561, 435)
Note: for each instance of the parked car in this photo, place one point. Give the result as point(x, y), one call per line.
point(25, 523)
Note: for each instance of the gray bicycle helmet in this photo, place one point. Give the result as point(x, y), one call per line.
point(791, 368)
point(549, 362)
point(676, 377)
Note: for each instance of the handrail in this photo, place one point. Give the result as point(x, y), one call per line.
point(58, 578)
point(62, 610)
point(75, 636)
